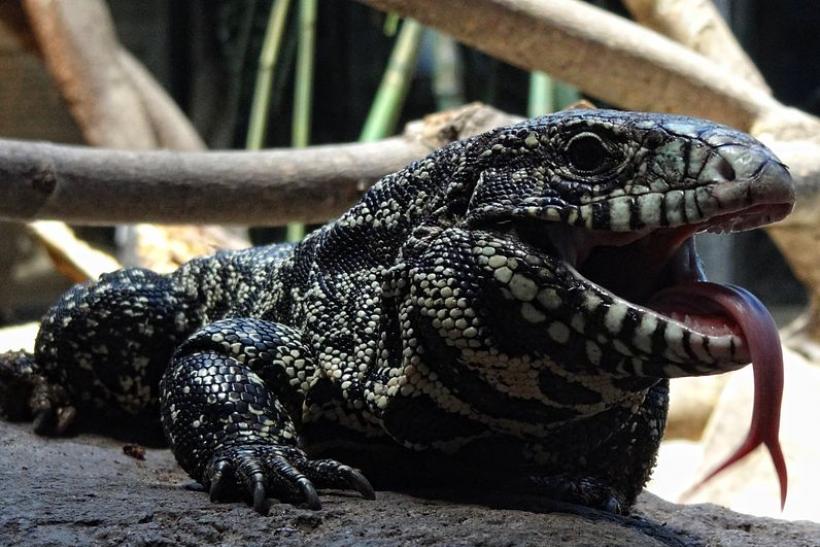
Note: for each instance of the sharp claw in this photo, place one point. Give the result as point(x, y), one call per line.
point(310, 495)
point(286, 471)
point(360, 483)
point(65, 417)
point(214, 492)
point(260, 499)
point(613, 506)
point(218, 481)
point(43, 421)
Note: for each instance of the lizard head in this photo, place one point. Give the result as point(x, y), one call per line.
point(614, 199)
point(603, 207)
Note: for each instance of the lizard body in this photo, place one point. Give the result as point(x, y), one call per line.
point(482, 315)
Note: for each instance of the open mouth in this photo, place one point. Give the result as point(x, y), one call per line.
point(657, 271)
point(657, 274)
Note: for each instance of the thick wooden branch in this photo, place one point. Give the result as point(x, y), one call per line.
point(102, 186)
point(603, 54)
point(698, 25)
point(72, 257)
point(115, 100)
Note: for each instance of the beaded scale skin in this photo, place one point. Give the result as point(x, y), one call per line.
point(443, 320)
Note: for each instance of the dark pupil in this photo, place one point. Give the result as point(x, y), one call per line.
point(587, 153)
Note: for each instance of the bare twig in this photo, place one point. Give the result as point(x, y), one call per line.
point(93, 186)
point(73, 257)
point(115, 101)
point(118, 104)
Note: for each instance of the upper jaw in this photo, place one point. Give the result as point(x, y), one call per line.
point(738, 191)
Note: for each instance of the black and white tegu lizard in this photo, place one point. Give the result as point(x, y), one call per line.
point(504, 313)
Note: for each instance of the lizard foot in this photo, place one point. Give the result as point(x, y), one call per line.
point(588, 491)
point(27, 395)
point(283, 471)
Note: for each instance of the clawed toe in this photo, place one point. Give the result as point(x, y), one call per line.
point(260, 499)
point(53, 421)
point(587, 491)
point(359, 483)
point(329, 473)
point(220, 475)
point(264, 471)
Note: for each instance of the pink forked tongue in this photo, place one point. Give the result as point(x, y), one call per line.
point(760, 335)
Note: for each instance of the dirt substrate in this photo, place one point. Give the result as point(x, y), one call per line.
point(87, 491)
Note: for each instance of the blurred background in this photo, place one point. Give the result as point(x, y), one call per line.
point(206, 55)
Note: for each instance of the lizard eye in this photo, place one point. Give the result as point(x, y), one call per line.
point(586, 152)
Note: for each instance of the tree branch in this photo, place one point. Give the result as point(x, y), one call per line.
point(97, 91)
point(99, 186)
point(630, 66)
point(698, 25)
point(605, 55)
point(114, 99)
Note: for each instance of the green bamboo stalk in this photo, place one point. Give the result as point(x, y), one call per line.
point(448, 86)
point(391, 23)
point(260, 108)
point(542, 97)
point(386, 108)
point(303, 90)
point(285, 65)
point(565, 95)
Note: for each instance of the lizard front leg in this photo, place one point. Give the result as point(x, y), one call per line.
point(231, 403)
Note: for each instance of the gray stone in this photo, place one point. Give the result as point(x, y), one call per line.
point(85, 490)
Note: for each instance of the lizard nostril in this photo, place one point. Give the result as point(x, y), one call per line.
point(725, 169)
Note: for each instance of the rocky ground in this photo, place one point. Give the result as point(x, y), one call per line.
point(87, 491)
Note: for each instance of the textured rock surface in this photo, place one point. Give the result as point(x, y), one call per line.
point(85, 490)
